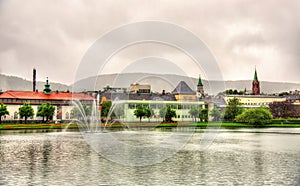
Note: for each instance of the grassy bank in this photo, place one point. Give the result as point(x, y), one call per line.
point(228, 125)
point(144, 125)
point(36, 126)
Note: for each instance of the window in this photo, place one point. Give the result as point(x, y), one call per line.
point(131, 106)
point(67, 115)
point(16, 115)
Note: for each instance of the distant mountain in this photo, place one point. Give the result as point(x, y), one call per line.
point(16, 83)
point(168, 82)
point(158, 83)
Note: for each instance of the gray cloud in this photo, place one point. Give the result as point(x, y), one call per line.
point(54, 35)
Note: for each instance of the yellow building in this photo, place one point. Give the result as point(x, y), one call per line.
point(255, 100)
point(139, 88)
point(184, 93)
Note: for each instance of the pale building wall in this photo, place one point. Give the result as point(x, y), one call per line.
point(12, 109)
point(182, 110)
point(256, 101)
point(66, 112)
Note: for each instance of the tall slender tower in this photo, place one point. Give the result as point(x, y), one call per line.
point(200, 89)
point(255, 84)
point(34, 80)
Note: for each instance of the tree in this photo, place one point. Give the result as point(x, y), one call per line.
point(140, 112)
point(3, 111)
point(149, 113)
point(215, 114)
point(203, 115)
point(167, 113)
point(233, 109)
point(194, 112)
point(26, 111)
point(46, 110)
point(282, 109)
point(106, 105)
point(255, 116)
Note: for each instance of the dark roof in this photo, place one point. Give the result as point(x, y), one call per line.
point(136, 96)
point(293, 97)
point(183, 88)
point(218, 101)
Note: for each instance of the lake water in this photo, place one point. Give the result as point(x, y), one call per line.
point(236, 157)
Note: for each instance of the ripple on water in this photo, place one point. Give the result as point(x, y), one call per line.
point(235, 158)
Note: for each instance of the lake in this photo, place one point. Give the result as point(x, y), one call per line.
point(235, 157)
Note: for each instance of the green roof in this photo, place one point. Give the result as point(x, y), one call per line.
point(47, 89)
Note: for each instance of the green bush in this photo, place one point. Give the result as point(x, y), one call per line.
point(255, 116)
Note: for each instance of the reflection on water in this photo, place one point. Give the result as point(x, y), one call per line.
point(237, 157)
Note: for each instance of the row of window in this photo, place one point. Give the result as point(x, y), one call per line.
point(16, 116)
point(40, 101)
point(266, 103)
point(159, 106)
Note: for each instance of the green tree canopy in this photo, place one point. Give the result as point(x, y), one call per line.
point(106, 105)
point(46, 110)
point(203, 115)
point(26, 111)
point(215, 114)
point(194, 112)
point(140, 112)
point(233, 109)
point(149, 112)
point(3, 111)
point(255, 116)
point(167, 113)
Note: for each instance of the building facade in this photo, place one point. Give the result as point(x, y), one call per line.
point(62, 101)
point(249, 101)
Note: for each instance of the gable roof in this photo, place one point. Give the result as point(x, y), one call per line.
point(183, 88)
point(29, 95)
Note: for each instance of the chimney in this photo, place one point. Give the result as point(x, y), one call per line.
point(34, 80)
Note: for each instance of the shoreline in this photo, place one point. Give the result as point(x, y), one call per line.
point(74, 126)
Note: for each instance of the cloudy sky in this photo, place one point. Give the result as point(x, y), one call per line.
point(54, 35)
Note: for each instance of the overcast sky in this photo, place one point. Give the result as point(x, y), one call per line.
point(54, 35)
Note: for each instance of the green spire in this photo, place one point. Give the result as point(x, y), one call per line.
point(200, 81)
point(255, 76)
point(47, 89)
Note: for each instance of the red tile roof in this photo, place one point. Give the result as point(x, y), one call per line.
point(10, 94)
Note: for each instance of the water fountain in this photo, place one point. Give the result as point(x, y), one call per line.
point(87, 117)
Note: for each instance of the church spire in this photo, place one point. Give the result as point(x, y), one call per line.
point(255, 76)
point(200, 89)
point(255, 84)
point(200, 81)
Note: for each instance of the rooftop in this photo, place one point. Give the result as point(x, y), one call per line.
point(183, 88)
point(10, 94)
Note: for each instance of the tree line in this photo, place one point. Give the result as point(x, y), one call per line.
point(233, 112)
